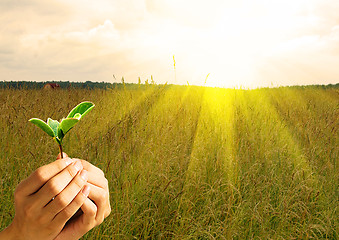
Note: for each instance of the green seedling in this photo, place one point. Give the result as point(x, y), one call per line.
point(58, 130)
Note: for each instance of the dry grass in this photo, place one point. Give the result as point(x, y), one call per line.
point(191, 162)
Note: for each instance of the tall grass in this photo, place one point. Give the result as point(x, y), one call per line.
point(191, 162)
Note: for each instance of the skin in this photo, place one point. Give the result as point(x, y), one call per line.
point(62, 200)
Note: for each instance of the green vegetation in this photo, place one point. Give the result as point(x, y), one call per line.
point(62, 84)
point(57, 130)
point(191, 162)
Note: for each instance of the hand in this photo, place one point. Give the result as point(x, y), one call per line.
point(47, 199)
point(94, 209)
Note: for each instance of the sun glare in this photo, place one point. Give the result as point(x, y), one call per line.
point(234, 44)
point(241, 43)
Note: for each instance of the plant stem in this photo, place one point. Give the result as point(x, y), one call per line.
point(60, 147)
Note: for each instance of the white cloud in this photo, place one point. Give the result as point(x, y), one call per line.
point(236, 41)
point(309, 59)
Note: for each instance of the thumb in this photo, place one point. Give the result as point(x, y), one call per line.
point(64, 155)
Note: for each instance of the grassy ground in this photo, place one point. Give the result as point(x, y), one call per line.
point(190, 162)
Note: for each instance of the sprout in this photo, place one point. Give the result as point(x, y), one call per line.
point(58, 130)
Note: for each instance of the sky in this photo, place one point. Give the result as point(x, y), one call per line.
point(239, 43)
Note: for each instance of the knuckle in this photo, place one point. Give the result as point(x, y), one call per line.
point(105, 182)
point(67, 213)
point(50, 227)
point(60, 201)
point(29, 212)
point(61, 164)
point(99, 219)
point(71, 171)
point(79, 182)
point(92, 212)
point(53, 188)
point(40, 174)
point(17, 194)
point(79, 200)
point(41, 220)
point(101, 172)
point(108, 211)
point(103, 197)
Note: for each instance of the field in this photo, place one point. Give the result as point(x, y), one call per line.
point(187, 162)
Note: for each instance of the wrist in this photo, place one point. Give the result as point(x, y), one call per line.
point(9, 233)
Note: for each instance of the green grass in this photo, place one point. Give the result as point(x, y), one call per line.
point(190, 162)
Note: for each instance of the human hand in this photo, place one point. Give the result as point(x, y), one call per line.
point(94, 209)
point(47, 199)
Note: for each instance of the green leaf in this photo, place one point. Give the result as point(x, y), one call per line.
point(60, 132)
point(77, 116)
point(41, 124)
point(54, 124)
point(67, 124)
point(82, 108)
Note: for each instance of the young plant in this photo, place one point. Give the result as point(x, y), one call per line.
point(58, 130)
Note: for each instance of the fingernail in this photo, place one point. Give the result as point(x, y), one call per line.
point(68, 161)
point(86, 190)
point(78, 165)
point(83, 175)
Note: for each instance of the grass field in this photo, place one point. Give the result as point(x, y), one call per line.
point(190, 162)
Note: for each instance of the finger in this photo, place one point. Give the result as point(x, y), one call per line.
point(62, 217)
point(89, 213)
point(64, 198)
point(63, 154)
point(91, 167)
point(97, 180)
point(56, 184)
point(101, 199)
point(95, 175)
point(40, 176)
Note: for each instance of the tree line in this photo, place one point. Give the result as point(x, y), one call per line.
point(105, 85)
point(62, 84)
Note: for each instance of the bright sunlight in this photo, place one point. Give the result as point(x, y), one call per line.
point(238, 43)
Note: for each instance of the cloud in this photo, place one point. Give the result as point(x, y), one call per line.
point(309, 59)
point(191, 13)
point(62, 48)
point(22, 16)
point(238, 40)
point(95, 53)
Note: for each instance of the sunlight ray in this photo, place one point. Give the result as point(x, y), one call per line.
point(284, 138)
point(304, 112)
point(271, 161)
point(212, 163)
point(221, 105)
